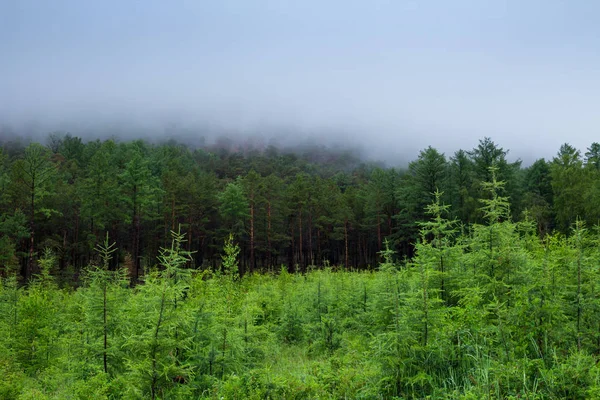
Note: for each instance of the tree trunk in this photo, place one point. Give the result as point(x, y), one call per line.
point(29, 269)
point(292, 251)
point(189, 236)
point(136, 245)
point(269, 251)
point(300, 258)
point(173, 214)
point(135, 239)
point(74, 249)
point(252, 259)
point(346, 243)
point(378, 233)
point(319, 253)
point(310, 248)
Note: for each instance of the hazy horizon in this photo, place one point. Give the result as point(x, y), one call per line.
point(389, 77)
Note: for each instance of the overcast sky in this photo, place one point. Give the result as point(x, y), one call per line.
point(395, 76)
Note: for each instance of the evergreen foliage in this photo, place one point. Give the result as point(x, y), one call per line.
point(459, 300)
point(314, 208)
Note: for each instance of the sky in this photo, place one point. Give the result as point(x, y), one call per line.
point(390, 76)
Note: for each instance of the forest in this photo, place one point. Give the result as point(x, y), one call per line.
point(155, 270)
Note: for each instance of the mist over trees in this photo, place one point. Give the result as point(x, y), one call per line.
point(314, 206)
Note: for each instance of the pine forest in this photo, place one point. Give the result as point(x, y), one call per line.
point(143, 270)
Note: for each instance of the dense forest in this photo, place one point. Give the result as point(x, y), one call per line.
point(138, 270)
point(311, 207)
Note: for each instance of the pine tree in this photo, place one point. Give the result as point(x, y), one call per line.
point(568, 182)
point(438, 233)
point(156, 333)
point(32, 178)
point(103, 297)
point(140, 192)
point(234, 208)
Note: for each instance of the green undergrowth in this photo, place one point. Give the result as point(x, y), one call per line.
point(494, 312)
point(323, 334)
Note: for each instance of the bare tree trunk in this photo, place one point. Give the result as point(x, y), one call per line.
point(135, 238)
point(136, 245)
point(73, 250)
point(29, 270)
point(252, 259)
point(63, 253)
point(269, 251)
point(366, 250)
point(292, 252)
point(310, 248)
point(173, 214)
point(346, 242)
point(189, 235)
point(300, 258)
point(319, 254)
point(378, 233)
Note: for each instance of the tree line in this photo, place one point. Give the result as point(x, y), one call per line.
point(314, 208)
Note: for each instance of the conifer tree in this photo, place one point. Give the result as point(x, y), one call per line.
point(32, 179)
point(140, 192)
point(272, 192)
point(234, 208)
point(103, 298)
point(156, 334)
point(568, 182)
point(251, 184)
point(438, 233)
